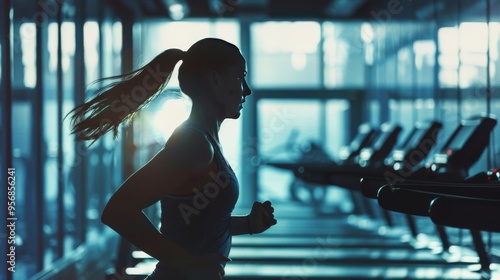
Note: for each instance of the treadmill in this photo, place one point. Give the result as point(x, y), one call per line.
point(348, 155)
point(450, 165)
point(375, 160)
point(446, 195)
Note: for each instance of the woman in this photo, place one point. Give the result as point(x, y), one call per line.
point(191, 178)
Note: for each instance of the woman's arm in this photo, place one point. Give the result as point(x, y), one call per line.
point(240, 225)
point(134, 226)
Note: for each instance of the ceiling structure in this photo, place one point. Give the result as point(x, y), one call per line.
point(444, 11)
point(317, 9)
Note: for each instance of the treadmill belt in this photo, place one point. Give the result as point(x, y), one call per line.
point(351, 242)
point(314, 270)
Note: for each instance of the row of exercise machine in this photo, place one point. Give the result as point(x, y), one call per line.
point(401, 179)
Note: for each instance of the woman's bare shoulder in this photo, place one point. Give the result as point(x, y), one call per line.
point(188, 147)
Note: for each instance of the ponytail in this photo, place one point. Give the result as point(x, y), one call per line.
point(119, 101)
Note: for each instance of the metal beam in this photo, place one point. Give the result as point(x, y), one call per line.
point(127, 6)
point(39, 145)
point(80, 163)
point(60, 147)
point(6, 98)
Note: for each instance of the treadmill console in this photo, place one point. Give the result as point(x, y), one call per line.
point(466, 144)
point(365, 137)
point(416, 147)
point(382, 146)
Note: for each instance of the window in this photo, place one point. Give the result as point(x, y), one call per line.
point(91, 49)
point(343, 55)
point(466, 46)
point(285, 54)
point(28, 48)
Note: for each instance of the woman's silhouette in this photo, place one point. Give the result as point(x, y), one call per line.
point(191, 178)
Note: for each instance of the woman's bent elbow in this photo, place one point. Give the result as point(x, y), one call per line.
point(107, 215)
point(105, 219)
point(113, 215)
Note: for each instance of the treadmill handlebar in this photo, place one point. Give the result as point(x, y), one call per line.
point(467, 213)
point(371, 185)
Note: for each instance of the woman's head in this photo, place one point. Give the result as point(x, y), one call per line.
point(212, 74)
point(214, 70)
point(207, 54)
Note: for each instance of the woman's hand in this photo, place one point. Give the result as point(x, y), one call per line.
point(206, 267)
point(261, 217)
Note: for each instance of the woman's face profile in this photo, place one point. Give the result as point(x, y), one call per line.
point(236, 89)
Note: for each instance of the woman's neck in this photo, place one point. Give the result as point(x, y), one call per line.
point(201, 115)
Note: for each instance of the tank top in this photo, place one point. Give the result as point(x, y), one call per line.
point(200, 223)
